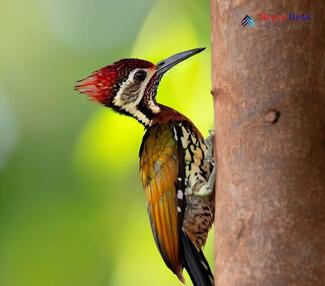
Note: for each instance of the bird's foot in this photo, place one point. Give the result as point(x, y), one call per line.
point(208, 188)
point(209, 142)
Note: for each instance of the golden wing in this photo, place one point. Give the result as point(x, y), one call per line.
point(159, 169)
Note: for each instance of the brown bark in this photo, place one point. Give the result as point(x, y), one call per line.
point(269, 91)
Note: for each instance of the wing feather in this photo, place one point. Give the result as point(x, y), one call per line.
point(159, 169)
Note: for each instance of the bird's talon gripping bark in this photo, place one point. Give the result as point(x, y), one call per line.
point(209, 142)
point(208, 187)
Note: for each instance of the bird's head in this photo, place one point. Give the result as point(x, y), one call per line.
point(129, 86)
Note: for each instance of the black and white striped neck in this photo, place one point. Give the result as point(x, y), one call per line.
point(142, 113)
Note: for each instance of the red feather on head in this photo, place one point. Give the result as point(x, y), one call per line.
point(99, 84)
point(102, 85)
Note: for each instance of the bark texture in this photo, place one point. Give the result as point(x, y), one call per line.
point(269, 91)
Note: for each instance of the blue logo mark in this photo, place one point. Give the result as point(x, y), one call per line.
point(247, 20)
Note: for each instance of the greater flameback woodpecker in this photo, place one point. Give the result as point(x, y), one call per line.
point(177, 177)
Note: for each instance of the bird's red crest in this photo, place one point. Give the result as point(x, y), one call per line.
point(99, 84)
point(103, 84)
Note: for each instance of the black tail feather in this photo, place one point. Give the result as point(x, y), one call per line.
point(196, 264)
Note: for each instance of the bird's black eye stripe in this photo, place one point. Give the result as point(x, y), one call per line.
point(140, 75)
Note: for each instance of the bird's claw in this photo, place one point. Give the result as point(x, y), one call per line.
point(208, 187)
point(209, 142)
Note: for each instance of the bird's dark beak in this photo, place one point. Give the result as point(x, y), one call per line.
point(168, 63)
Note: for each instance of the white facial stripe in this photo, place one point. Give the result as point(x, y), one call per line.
point(154, 107)
point(118, 100)
point(139, 116)
point(131, 106)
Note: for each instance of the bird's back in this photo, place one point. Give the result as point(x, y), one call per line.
point(173, 167)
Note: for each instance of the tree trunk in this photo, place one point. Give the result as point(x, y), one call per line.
point(269, 91)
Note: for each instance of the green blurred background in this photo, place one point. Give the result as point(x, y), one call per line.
point(72, 211)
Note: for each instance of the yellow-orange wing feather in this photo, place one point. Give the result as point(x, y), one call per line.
point(159, 169)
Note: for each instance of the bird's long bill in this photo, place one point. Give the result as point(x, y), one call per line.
point(168, 63)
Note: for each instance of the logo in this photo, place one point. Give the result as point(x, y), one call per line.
point(277, 20)
point(247, 20)
point(284, 17)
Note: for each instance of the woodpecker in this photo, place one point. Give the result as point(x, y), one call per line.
point(176, 168)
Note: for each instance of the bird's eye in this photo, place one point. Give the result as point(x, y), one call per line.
point(140, 75)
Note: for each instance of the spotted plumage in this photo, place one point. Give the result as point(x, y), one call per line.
point(177, 178)
point(199, 213)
